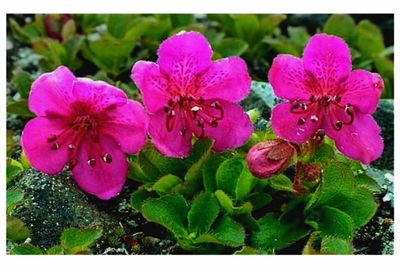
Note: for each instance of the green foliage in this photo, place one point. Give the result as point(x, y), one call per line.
point(203, 213)
point(26, 249)
point(334, 245)
point(282, 183)
point(16, 229)
point(77, 241)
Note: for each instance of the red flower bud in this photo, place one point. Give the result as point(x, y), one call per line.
point(269, 157)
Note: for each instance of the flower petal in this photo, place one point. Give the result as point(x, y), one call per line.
point(98, 94)
point(152, 84)
point(104, 180)
point(226, 79)
point(359, 141)
point(287, 78)
point(38, 150)
point(327, 60)
point(170, 143)
point(285, 124)
point(127, 124)
point(51, 93)
point(233, 130)
point(183, 57)
point(363, 90)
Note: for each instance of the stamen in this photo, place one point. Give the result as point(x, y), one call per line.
point(338, 125)
point(314, 118)
point(201, 100)
point(304, 106)
point(349, 109)
point(216, 104)
point(170, 102)
point(166, 108)
point(301, 121)
point(337, 99)
point(182, 131)
point(312, 98)
point(55, 146)
point(71, 147)
point(51, 138)
point(214, 122)
point(107, 158)
point(195, 109)
point(91, 162)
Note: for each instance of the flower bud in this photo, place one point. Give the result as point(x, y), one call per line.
point(269, 157)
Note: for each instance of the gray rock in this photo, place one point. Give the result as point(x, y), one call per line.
point(53, 203)
point(384, 115)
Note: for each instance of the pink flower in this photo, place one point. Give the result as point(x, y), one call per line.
point(85, 124)
point(325, 96)
point(187, 93)
point(268, 158)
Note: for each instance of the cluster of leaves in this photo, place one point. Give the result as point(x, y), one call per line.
point(211, 203)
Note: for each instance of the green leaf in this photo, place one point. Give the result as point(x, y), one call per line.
point(22, 81)
point(54, 54)
point(166, 183)
point(13, 169)
point(361, 206)
point(246, 26)
point(72, 46)
point(275, 234)
point(169, 211)
point(209, 171)
point(55, 250)
point(203, 213)
point(227, 232)
point(225, 201)
point(282, 183)
point(13, 197)
point(335, 245)
point(16, 229)
point(180, 20)
point(341, 25)
point(25, 34)
point(259, 200)
point(199, 155)
point(234, 178)
point(19, 108)
point(337, 183)
point(324, 153)
point(138, 198)
point(369, 39)
point(68, 30)
point(119, 24)
point(26, 249)
point(367, 182)
point(270, 22)
point(75, 240)
point(333, 222)
point(155, 165)
point(231, 47)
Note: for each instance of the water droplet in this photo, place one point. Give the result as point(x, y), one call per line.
point(91, 162)
point(107, 158)
point(55, 146)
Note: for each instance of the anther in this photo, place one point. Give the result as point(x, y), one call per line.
point(195, 109)
point(349, 109)
point(201, 100)
point(170, 102)
point(338, 125)
point(71, 147)
point(314, 118)
point(166, 108)
point(171, 113)
point(200, 122)
point(304, 106)
point(301, 121)
point(91, 162)
point(182, 131)
point(216, 104)
point(55, 146)
point(214, 122)
point(312, 98)
point(107, 158)
point(295, 104)
point(337, 99)
point(51, 138)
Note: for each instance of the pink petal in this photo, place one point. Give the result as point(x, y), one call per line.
point(360, 140)
point(104, 180)
point(285, 124)
point(233, 130)
point(363, 90)
point(287, 78)
point(38, 150)
point(51, 92)
point(127, 124)
point(327, 61)
point(184, 56)
point(226, 79)
point(152, 84)
point(97, 94)
point(172, 143)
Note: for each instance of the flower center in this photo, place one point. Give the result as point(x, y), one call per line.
point(71, 137)
point(339, 114)
point(196, 111)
